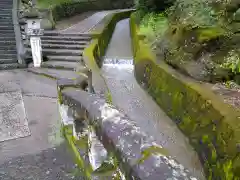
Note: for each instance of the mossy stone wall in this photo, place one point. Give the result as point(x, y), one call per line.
point(212, 127)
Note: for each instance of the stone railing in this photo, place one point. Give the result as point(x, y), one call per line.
point(107, 142)
point(20, 28)
point(18, 32)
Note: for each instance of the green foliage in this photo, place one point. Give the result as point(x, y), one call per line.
point(232, 61)
point(208, 34)
point(147, 6)
point(152, 150)
point(70, 8)
point(194, 13)
point(211, 125)
point(153, 26)
point(67, 8)
point(109, 97)
point(47, 3)
point(107, 168)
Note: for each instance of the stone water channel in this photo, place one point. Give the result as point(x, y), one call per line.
point(129, 97)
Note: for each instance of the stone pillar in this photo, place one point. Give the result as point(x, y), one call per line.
point(90, 86)
point(34, 31)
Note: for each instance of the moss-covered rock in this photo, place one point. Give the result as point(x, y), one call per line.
point(200, 35)
point(211, 126)
point(198, 52)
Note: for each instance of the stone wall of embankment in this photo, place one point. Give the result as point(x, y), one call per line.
point(213, 127)
point(134, 153)
point(92, 56)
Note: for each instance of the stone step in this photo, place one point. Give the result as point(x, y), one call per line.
point(8, 56)
point(10, 32)
point(7, 38)
point(8, 61)
point(73, 38)
point(54, 73)
point(60, 52)
point(47, 41)
point(6, 17)
point(57, 33)
point(72, 66)
point(7, 52)
point(2, 8)
point(6, 27)
point(67, 52)
point(8, 47)
point(6, 13)
point(60, 46)
point(6, 23)
point(5, 20)
point(65, 58)
point(64, 46)
point(5, 6)
point(6, 2)
point(11, 66)
point(7, 42)
point(7, 34)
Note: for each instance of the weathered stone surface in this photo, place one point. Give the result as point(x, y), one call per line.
point(80, 82)
point(116, 131)
point(13, 120)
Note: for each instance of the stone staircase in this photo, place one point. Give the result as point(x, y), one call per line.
point(62, 55)
point(8, 50)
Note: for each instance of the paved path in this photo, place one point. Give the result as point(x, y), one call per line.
point(43, 154)
point(87, 24)
point(36, 150)
point(137, 104)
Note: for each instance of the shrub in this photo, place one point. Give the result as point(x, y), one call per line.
point(153, 26)
point(153, 5)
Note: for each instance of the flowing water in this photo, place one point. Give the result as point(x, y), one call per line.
point(129, 97)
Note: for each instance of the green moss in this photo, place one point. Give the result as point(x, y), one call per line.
point(108, 97)
point(209, 33)
point(68, 134)
point(92, 58)
point(211, 126)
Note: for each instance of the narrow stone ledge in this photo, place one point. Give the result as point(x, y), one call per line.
point(120, 134)
point(80, 82)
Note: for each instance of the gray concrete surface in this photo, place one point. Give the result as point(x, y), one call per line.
point(69, 22)
point(43, 154)
point(137, 104)
point(87, 24)
point(13, 120)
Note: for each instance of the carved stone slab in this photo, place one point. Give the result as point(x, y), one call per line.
point(13, 121)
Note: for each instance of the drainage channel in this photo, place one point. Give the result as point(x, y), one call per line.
point(129, 97)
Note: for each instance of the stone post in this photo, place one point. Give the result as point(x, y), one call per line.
point(34, 31)
point(90, 86)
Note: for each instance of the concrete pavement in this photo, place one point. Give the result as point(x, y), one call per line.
point(43, 153)
point(36, 150)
